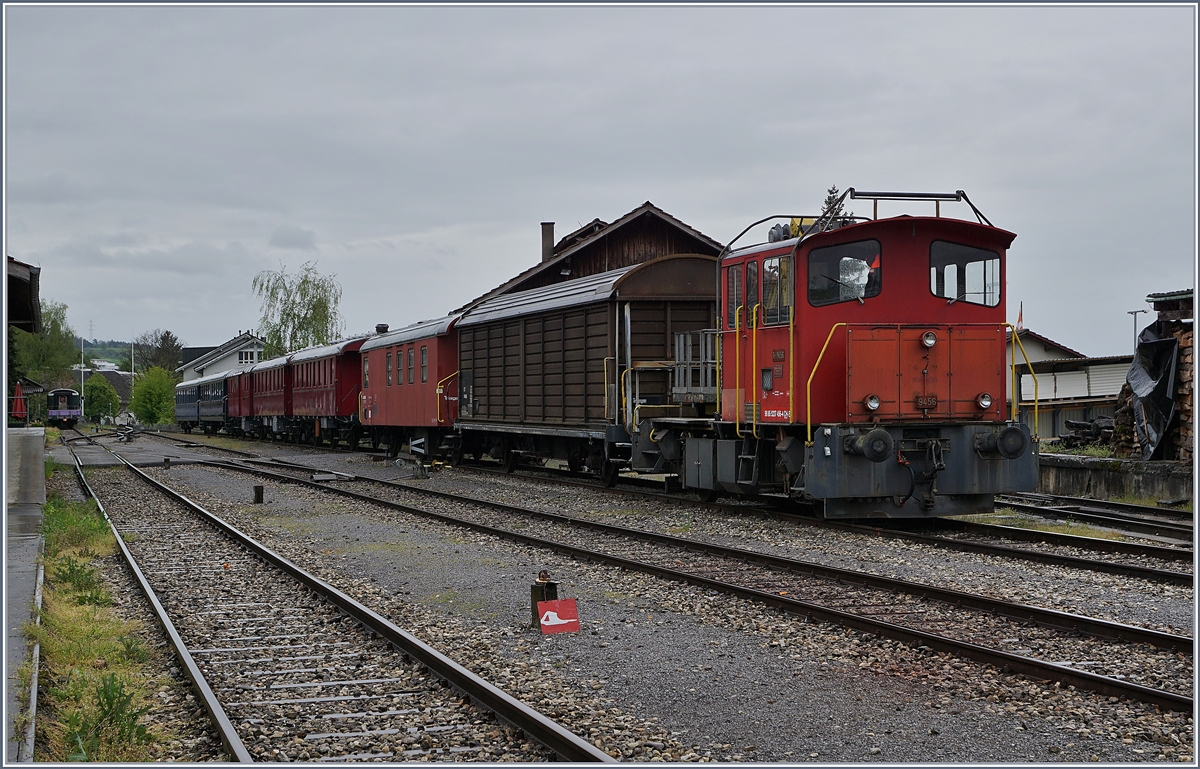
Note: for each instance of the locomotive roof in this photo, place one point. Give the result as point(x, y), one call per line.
point(865, 226)
point(420, 330)
point(325, 350)
point(586, 290)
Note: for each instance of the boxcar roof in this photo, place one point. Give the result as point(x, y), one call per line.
point(325, 350)
point(419, 330)
point(667, 277)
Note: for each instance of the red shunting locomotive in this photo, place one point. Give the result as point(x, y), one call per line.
point(859, 364)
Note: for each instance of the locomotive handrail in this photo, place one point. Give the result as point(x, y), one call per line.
point(754, 357)
point(1016, 393)
point(439, 392)
point(808, 394)
point(737, 371)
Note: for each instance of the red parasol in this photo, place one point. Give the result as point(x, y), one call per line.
point(19, 412)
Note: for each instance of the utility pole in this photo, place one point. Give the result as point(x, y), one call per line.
point(1134, 313)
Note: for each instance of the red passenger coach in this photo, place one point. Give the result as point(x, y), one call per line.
point(271, 405)
point(325, 388)
point(240, 400)
point(410, 386)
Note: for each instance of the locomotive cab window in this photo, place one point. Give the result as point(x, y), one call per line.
point(733, 294)
point(777, 290)
point(959, 273)
point(752, 294)
point(844, 273)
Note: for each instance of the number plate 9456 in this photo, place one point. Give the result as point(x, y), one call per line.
point(927, 401)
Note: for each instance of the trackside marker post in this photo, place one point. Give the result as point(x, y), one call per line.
point(558, 616)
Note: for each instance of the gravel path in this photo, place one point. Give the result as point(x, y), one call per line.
point(685, 673)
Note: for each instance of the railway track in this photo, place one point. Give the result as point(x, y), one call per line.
point(1143, 664)
point(290, 668)
point(1138, 519)
point(1131, 559)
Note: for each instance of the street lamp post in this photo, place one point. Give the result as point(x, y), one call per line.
point(1134, 313)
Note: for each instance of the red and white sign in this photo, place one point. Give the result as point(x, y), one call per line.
point(558, 616)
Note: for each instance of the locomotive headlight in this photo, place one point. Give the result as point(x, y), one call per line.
point(929, 339)
point(984, 400)
point(871, 402)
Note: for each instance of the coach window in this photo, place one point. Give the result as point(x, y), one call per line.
point(751, 293)
point(389, 369)
point(777, 289)
point(733, 293)
point(963, 273)
point(410, 365)
point(366, 373)
point(424, 364)
point(844, 273)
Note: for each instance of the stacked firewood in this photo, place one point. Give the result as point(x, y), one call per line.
point(1124, 437)
point(1184, 435)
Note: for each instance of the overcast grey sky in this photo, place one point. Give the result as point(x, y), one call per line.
point(157, 158)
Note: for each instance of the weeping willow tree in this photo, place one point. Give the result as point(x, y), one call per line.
point(298, 309)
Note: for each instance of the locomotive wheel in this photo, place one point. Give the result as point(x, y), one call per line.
point(456, 457)
point(574, 464)
point(709, 496)
point(333, 442)
point(510, 461)
point(608, 474)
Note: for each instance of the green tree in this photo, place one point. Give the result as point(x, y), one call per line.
point(99, 398)
point(155, 348)
point(47, 357)
point(833, 205)
point(153, 398)
point(298, 309)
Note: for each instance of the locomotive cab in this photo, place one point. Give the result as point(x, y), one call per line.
point(861, 366)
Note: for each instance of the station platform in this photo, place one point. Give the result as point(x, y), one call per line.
point(25, 493)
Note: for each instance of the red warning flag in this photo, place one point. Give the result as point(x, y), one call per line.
point(558, 616)
point(875, 264)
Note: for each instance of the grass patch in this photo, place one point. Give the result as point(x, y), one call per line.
point(681, 529)
point(1009, 517)
point(53, 434)
point(1130, 499)
point(452, 600)
point(97, 684)
point(1091, 450)
point(289, 523)
point(401, 548)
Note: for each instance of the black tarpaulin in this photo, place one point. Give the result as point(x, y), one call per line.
point(1152, 379)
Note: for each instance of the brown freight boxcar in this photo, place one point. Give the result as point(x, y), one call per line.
point(564, 371)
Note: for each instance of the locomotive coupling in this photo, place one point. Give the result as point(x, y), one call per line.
point(1009, 443)
point(876, 445)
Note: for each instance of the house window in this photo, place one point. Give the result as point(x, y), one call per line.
point(411, 368)
point(389, 369)
point(247, 357)
point(424, 364)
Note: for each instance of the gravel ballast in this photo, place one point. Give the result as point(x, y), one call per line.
point(688, 674)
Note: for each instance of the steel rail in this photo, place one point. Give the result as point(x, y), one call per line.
point(228, 733)
point(992, 530)
point(1025, 665)
point(554, 736)
point(982, 548)
point(1117, 521)
point(1123, 507)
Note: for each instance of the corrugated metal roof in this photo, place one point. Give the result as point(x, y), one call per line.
point(586, 290)
point(268, 364)
point(325, 350)
point(419, 330)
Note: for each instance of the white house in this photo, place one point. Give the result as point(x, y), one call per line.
point(243, 350)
